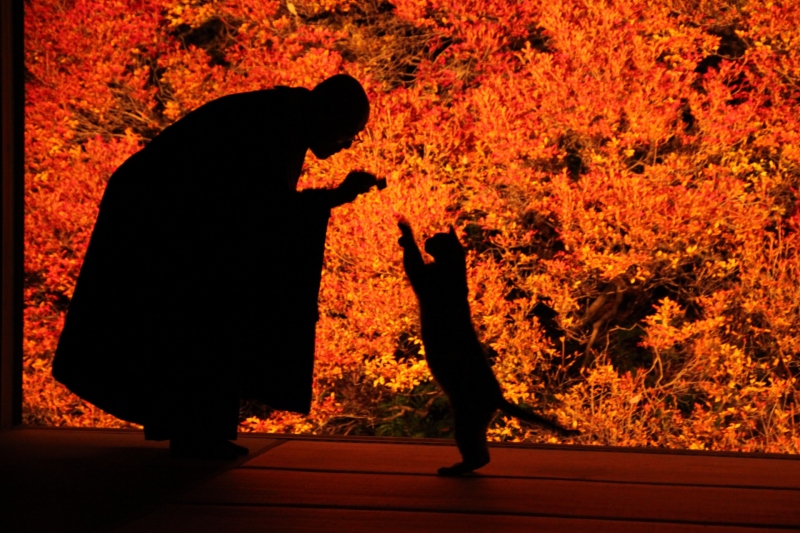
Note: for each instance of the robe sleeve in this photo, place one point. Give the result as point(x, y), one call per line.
point(280, 371)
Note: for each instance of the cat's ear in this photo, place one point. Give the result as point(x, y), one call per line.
point(452, 230)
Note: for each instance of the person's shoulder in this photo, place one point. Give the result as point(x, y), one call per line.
point(236, 110)
point(275, 99)
point(294, 94)
point(286, 90)
point(278, 92)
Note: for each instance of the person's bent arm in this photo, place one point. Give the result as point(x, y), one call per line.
point(356, 182)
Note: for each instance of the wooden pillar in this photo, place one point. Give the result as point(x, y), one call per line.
point(11, 144)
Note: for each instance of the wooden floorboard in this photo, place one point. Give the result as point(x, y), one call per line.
point(98, 481)
point(215, 519)
point(85, 480)
point(627, 467)
point(498, 496)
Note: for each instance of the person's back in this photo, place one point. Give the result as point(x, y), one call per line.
point(175, 300)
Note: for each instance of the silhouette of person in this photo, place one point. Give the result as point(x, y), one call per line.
point(200, 282)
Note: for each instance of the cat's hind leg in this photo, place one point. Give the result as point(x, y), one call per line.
point(470, 437)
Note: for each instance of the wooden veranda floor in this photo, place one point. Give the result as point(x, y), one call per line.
point(94, 480)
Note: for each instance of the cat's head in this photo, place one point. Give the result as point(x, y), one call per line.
point(445, 247)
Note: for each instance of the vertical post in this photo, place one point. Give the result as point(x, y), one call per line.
point(11, 208)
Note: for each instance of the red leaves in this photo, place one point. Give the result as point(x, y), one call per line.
point(576, 148)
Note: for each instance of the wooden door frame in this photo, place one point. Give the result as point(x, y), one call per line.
point(12, 101)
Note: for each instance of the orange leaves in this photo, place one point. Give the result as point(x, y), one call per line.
point(624, 175)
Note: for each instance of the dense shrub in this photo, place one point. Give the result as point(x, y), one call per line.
point(624, 175)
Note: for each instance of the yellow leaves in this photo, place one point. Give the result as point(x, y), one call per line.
point(490, 153)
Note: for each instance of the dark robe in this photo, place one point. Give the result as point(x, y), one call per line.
point(201, 278)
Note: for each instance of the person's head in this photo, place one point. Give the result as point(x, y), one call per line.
point(339, 111)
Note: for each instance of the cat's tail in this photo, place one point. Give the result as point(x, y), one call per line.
point(518, 412)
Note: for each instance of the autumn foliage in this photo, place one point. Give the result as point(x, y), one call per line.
point(623, 174)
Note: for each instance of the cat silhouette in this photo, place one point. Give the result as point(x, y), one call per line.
point(455, 356)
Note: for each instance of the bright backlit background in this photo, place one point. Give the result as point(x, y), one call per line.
point(624, 175)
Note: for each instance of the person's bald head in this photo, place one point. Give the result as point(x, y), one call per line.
point(339, 111)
